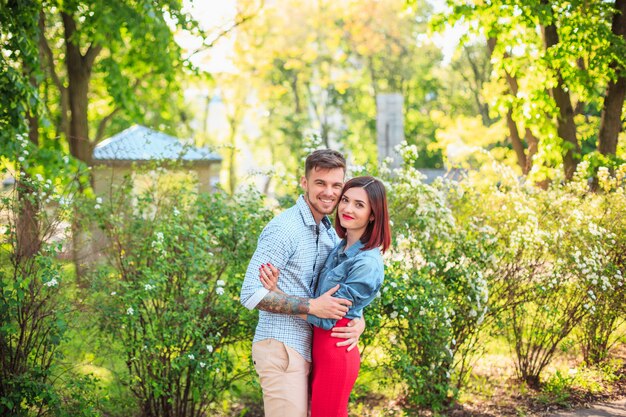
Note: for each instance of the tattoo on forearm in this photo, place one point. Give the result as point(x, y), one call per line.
point(284, 304)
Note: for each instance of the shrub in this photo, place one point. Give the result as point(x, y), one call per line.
point(169, 292)
point(33, 314)
point(434, 297)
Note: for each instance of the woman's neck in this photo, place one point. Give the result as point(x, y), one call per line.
point(352, 238)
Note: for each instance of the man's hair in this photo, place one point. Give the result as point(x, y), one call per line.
point(325, 159)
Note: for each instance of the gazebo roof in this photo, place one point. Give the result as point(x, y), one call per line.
point(141, 144)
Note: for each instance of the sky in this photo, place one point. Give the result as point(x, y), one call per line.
point(216, 14)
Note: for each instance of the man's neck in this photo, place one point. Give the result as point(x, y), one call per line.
point(316, 215)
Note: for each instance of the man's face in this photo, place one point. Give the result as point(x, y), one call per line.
point(322, 189)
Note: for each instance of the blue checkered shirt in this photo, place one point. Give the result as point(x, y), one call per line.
point(291, 243)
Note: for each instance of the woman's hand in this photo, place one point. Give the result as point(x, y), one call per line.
point(268, 274)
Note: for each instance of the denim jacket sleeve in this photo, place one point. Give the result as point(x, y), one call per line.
point(360, 286)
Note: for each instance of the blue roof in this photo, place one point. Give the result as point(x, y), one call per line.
point(138, 143)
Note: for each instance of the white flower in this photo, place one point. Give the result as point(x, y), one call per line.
point(97, 206)
point(99, 200)
point(201, 292)
point(219, 290)
point(176, 212)
point(130, 311)
point(220, 283)
point(393, 314)
point(21, 159)
point(114, 293)
point(52, 283)
point(149, 287)
point(159, 236)
point(209, 348)
point(406, 309)
point(202, 364)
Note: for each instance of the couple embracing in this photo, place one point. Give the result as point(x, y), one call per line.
point(311, 280)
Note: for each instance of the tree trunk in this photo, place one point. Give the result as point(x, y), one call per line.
point(524, 156)
point(516, 141)
point(566, 127)
point(533, 146)
point(79, 74)
point(611, 124)
point(27, 227)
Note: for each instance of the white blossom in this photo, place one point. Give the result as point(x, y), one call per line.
point(130, 311)
point(52, 283)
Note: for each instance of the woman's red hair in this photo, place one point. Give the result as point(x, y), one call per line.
point(377, 233)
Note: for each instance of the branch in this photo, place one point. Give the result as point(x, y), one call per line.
point(47, 52)
point(103, 124)
point(239, 20)
point(92, 53)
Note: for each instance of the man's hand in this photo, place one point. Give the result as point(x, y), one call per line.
point(351, 333)
point(328, 307)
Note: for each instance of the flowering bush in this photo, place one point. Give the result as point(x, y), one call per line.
point(434, 297)
point(169, 292)
point(33, 314)
point(550, 263)
point(601, 259)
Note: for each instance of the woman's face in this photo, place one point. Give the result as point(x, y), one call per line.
point(355, 211)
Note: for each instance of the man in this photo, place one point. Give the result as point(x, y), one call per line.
point(297, 242)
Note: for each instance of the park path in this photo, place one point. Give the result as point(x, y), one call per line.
point(609, 409)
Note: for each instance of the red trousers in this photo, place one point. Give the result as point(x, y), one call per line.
point(334, 374)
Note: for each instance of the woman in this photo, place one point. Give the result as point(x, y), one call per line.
point(356, 264)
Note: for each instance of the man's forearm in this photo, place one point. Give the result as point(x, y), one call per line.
point(284, 304)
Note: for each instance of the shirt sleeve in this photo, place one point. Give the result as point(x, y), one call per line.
point(274, 246)
point(363, 281)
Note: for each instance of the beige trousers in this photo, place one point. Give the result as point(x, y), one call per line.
point(284, 376)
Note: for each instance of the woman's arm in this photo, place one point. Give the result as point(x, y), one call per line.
point(360, 285)
point(325, 305)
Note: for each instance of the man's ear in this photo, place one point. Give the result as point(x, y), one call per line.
point(303, 182)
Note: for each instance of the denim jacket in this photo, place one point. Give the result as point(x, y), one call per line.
point(360, 275)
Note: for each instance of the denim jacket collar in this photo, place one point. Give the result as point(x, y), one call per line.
point(352, 250)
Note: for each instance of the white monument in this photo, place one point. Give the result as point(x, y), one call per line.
point(389, 127)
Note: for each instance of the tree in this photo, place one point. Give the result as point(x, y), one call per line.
point(555, 57)
point(317, 67)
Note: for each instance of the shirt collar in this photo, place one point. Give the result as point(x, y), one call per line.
point(307, 216)
point(352, 250)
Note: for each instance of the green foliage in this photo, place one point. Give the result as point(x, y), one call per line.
point(527, 69)
point(555, 263)
point(169, 292)
point(18, 67)
point(435, 297)
point(34, 312)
